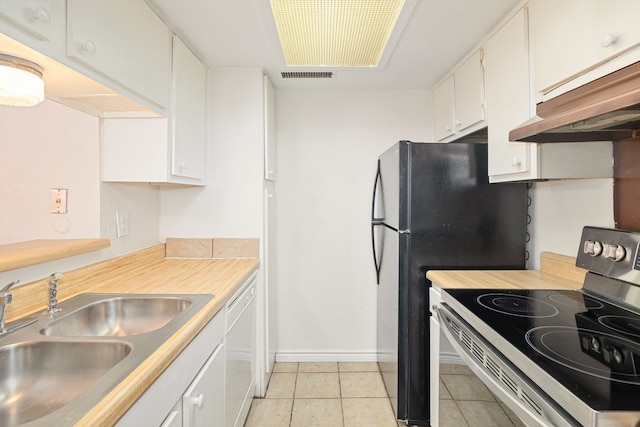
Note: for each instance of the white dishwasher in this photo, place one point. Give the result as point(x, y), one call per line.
point(241, 350)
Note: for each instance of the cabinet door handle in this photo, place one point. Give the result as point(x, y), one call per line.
point(89, 46)
point(198, 401)
point(609, 39)
point(41, 14)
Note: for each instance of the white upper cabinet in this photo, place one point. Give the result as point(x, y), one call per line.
point(39, 18)
point(574, 37)
point(269, 131)
point(469, 92)
point(459, 100)
point(506, 57)
point(444, 110)
point(509, 104)
point(188, 113)
point(161, 150)
point(125, 41)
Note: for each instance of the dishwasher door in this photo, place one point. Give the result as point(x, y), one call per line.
point(241, 350)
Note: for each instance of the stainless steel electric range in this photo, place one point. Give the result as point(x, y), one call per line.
point(560, 357)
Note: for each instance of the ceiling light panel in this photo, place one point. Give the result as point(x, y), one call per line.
point(334, 33)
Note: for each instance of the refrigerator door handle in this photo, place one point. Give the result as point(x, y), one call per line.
point(374, 223)
point(374, 220)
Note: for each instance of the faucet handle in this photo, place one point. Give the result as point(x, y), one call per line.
point(10, 285)
point(55, 277)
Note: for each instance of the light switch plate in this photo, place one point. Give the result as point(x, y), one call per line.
point(122, 223)
point(58, 201)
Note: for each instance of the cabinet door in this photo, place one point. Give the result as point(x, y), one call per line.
point(203, 402)
point(574, 36)
point(174, 419)
point(125, 41)
point(269, 131)
point(134, 150)
point(444, 111)
point(506, 58)
point(37, 17)
point(469, 92)
point(189, 94)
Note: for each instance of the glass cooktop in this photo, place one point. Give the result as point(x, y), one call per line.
point(591, 347)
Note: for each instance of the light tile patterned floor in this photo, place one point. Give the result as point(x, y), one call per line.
point(353, 395)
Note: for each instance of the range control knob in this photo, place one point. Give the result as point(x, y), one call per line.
point(593, 248)
point(615, 252)
point(613, 355)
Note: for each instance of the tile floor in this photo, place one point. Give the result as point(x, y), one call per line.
point(352, 394)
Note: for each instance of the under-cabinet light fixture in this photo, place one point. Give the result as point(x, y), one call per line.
point(21, 81)
point(335, 33)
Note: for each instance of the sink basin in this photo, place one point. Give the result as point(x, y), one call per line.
point(36, 378)
point(58, 366)
point(118, 316)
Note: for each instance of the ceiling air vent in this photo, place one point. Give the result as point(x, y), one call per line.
point(307, 74)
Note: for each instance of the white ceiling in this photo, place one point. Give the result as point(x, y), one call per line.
point(240, 33)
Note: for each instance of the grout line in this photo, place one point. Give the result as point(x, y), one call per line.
point(293, 398)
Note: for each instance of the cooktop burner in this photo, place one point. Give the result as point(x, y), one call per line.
point(623, 324)
point(517, 305)
point(602, 355)
point(576, 300)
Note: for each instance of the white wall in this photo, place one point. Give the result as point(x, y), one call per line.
point(54, 146)
point(559, 211)
point(43, 147)
point(230, 205)
point(328, 144)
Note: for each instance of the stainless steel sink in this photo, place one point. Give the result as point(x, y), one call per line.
point(36, 378)
point(57, 368)
point(118, 316)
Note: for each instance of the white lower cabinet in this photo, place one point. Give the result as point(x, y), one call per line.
point(190, 392)
point(241, 351)
point(203, 402)
point(174, 419)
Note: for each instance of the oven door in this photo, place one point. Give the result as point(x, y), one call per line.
point(507, 382)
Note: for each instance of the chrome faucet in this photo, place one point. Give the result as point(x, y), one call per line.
point(5, 298)
point(53, 293)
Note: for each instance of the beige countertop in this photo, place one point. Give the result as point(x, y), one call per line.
point(556, 272)
point(145, 271)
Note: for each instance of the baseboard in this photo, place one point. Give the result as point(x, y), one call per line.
point(341, 356)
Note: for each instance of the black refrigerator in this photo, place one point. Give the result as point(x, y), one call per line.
point(433, 208)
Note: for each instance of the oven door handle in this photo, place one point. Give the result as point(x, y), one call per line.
point(495, 372)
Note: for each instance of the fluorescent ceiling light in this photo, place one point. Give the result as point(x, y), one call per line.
point(21, 81)
point(334, 33)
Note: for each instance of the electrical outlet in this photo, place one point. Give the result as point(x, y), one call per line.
point(122, 223)
point(58, 201)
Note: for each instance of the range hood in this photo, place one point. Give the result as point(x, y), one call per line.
point(606, 109)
